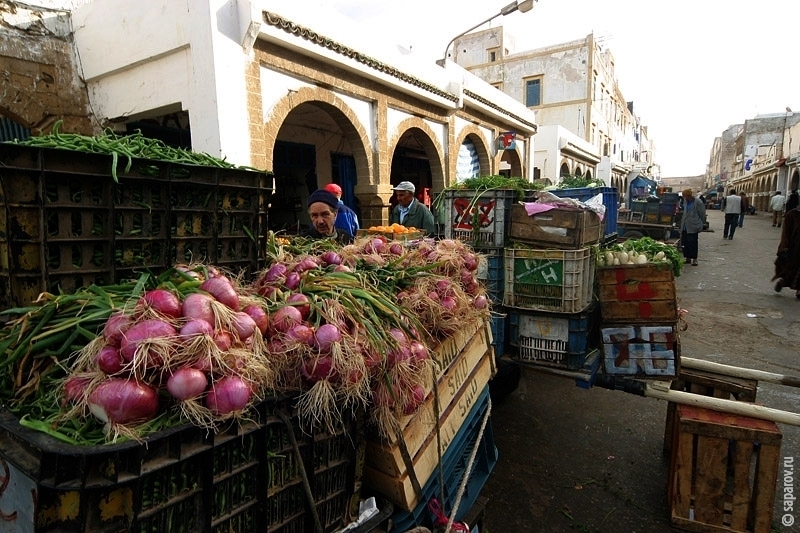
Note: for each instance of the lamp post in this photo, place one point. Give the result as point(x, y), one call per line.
point(523, 7)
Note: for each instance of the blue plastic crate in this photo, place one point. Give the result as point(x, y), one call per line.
point(491, 274)
point(610, 201)
point(454, 464)
point(553, 340)
point(498, 326)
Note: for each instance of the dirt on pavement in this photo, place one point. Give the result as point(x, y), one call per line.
point(572, 459)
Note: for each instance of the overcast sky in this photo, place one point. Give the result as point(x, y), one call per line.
point(691, 67)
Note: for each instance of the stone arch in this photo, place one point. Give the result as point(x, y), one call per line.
point(513, 159)
point(564, 169)
point(473, 133)
point(430, 144)
point(341, 113)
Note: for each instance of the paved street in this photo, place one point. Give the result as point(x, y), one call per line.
point(591, 460)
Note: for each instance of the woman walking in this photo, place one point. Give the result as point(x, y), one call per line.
point(787, 264)
point(694, 216)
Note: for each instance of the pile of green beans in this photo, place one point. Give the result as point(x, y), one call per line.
point(130, 146)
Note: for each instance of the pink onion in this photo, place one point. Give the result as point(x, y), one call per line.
point(382, 395)
point(442, 286)
point(223, 340)
point(123, 401)
point(448, 303)
point(302, 333)
point(228, 395)
point(325, 336)
point(399, 335)
point(471, 262)
point(162, 301)
point(75, 388)
point(414, 400)
point(146, 330)
point(109, 360)
point(419, 353)
point(186, 383)
point(259, 316)
point(287, 317)
point(480, 302)
point(269, 292)
point(274, 274)
point(398, 355)
point(198, 305)
point(115, 327)
point(342, 268)
point(396, 248)
point(222, 289)
point(194, 327)
point(375, 245)
point(318, 368)
point(292, 281)
point(244, 325)
point(300, 298)
point(331, 258)
point(306, 264)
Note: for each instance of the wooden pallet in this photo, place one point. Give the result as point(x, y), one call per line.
point(637, 293)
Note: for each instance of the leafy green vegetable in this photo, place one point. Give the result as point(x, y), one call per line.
point(650, 247)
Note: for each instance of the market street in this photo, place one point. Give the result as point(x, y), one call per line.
point(572, 459)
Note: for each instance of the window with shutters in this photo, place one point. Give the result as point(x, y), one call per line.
point(533, 92)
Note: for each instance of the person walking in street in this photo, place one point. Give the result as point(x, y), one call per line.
point(694, 216)
point(346, 218)
point(787, 262)
point(792, 201)
point(776, 205)
point(745, 207)
point(732, 207)
point(409, 211)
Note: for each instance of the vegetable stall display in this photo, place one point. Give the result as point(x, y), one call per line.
point(345, 328)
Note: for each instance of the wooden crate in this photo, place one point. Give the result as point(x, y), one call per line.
point(711, 384)
point(399, 489)
point(386, 456)
point(556, 228)
point(723, 471)
point(637, 293)
point(408, 236)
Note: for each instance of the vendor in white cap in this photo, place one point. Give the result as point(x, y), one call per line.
point(409, 212)
point(323, 206)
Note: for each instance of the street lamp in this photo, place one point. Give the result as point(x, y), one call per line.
point(523, 7)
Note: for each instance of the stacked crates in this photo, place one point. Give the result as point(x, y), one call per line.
point(610, 201)
point(248, 477)
point(549, 277)
point(69, 219)
point(639, 312)
point(482, 219)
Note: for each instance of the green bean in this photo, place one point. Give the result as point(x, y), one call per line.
point(44, 427)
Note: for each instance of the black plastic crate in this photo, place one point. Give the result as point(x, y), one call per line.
point(66, 222)
point(248, 477)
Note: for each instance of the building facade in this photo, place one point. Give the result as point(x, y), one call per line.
point(279, 88)
point(757, 157)
point(571, 86)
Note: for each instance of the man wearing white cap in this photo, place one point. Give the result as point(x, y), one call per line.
point(409, 212)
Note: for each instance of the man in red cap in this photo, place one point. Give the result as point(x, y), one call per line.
point(347, 219)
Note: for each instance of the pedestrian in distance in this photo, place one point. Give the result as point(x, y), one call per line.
point(409, 211)
point(776, 205)
point(732, 207)
point(694, 216)
point(787, 262)
point(745, 207)
point(323, 207)
point(346, 219)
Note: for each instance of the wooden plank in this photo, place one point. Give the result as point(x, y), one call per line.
point(637, 312)
point(637, 290)
point(398, 489)
point(710, 477)
point(612, 275)
point(764, 488)
point(736, 388)
point(681, 493)
point(450, 348)
point(385, 456)
point(740, 506)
